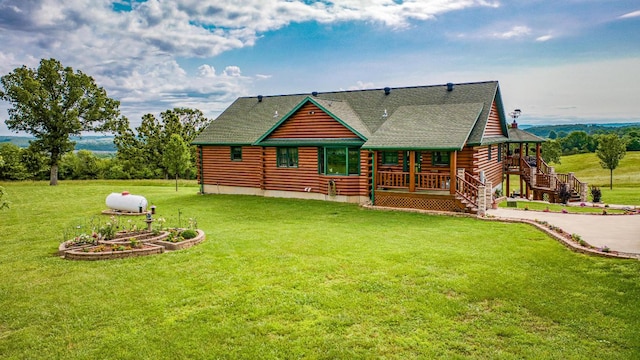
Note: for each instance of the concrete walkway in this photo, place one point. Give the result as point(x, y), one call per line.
point(618, 232)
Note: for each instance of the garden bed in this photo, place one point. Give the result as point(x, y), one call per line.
point(169, 245)
point(128, 244)
point(102, 252)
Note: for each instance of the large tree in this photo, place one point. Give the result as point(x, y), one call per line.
point(142, 151)
point(53, 103)
point(611, 149)
point(551, 151)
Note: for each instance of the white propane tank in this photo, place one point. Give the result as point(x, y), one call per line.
point(126, 202)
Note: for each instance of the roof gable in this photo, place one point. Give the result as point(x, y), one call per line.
point(322, 108)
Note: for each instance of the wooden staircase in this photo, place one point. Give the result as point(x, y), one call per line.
point(546, 185)
point(467, 192)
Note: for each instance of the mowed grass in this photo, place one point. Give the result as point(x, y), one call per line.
point(626, 178)
point(280, 279)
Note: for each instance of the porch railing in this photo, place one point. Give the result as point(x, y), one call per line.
point(392, 179)
point(433, 181)
point(512, 162)
point(424, 181)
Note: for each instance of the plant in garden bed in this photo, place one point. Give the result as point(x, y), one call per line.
point(178, 235)
point(82, 239)
point(596, 194)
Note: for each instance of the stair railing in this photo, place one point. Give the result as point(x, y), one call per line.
point(467, 188)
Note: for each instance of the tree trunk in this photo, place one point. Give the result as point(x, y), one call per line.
point(610, 179)
point(176, 181)
point(53, 179)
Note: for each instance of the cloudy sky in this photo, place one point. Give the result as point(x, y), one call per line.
point(558, 61)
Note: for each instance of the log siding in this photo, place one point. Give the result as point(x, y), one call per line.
point(219, 169)
point(494, 126)
point(310, 122)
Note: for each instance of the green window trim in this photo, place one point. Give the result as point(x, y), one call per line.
point(236, 153)
point(342, 161)
point(440, 158)
point(389, 158)
point(287, 157)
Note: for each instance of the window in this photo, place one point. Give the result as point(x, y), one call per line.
point(440, 158)
point(499, 152)
point(236, 153)
point(489, 155)
point(338, 161)
point(287, 157)
point(389, 158)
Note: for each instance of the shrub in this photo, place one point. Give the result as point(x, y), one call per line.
point(189, 234)
point(564, 194)
point(596, 193)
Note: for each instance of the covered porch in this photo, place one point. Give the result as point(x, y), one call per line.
point(422, 180)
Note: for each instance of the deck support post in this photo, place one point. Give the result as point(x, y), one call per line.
point(374, 179)
point(460, 174)
point(453, 165)
point(488, 194)
point(538, 155)
point(412, 171)
point(520, 169)
point(552, 178)
point(482, 201)
point(570, 178)
point(533, 176)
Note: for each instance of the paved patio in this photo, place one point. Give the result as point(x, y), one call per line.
point(618, 232)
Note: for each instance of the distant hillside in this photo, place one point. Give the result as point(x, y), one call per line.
point(91, 143)
point(544, 130)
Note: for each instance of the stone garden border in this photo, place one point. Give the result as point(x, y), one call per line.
point(150, 246)
point(171, 246)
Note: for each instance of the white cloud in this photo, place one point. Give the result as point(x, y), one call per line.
point(207, 71)
point(633, 14)
point(544, 38)
point(232, 71)
point(514, 32)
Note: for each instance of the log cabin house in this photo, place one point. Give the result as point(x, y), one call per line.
point(437, 147)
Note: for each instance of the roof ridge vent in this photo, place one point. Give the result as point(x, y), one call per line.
point(315, 93)
point(387, 90)
point(449, 86)
point(260, 98)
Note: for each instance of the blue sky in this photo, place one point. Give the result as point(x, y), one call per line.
point(559, 61)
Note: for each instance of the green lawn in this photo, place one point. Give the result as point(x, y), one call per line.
point(626, 178)
point(280, 279)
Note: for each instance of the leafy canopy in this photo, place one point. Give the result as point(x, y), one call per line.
point(611, 149)
point(52, 103)
point(141, 152)
point(177, 157)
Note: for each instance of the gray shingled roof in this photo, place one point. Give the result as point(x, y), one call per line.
point(247, 119)
point(432, 127)
point(520, 136)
